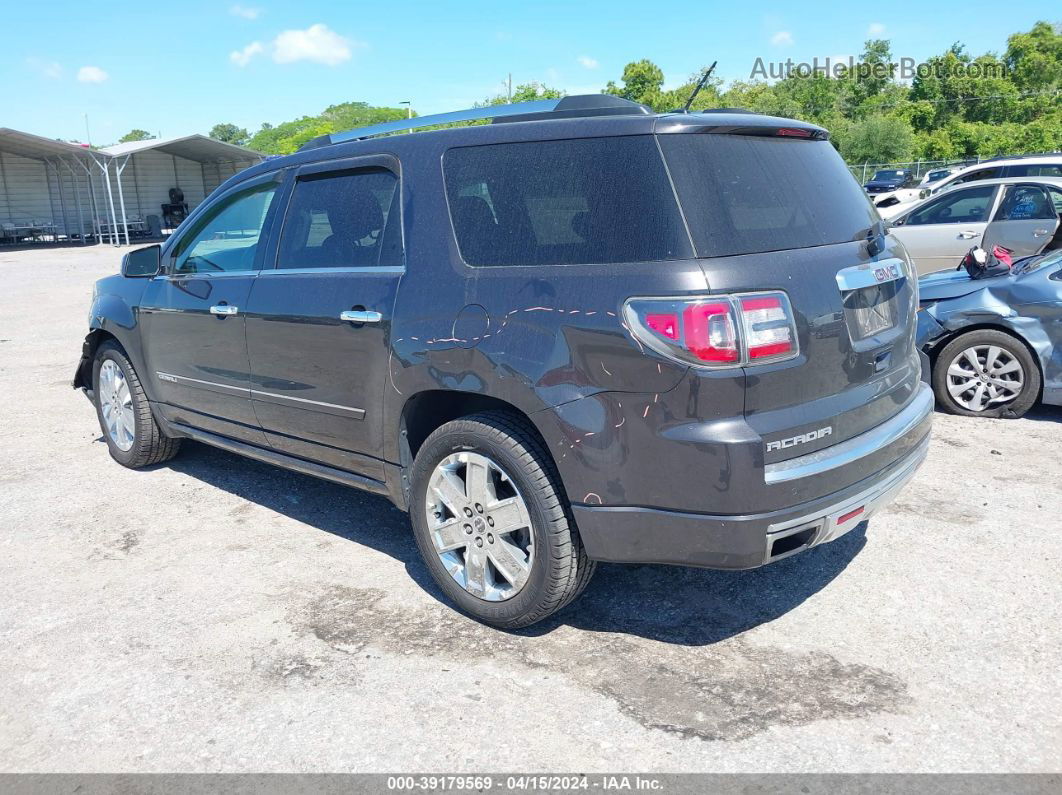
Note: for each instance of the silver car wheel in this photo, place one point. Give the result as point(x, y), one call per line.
point(985, 376)
point(480, 526)
point(116, 405)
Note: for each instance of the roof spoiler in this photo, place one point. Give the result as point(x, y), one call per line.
point(565, 108)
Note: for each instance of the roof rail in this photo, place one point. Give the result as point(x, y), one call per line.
point(566, 107)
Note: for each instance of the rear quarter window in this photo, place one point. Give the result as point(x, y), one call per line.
point(580, 201)
point(744, 194)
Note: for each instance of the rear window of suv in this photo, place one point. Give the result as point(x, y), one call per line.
point(580, 201)
point(745, 194)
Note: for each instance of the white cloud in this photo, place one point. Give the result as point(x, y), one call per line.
point(244, 56)
point(875, 29)
point(782, 38)
point(245, 12)
point(91, 74)
point(317, 43)
point(51, 69)
point(588, 62)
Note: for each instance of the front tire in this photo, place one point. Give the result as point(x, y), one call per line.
point(493, 524)
point(133, 437)
point(986, 373)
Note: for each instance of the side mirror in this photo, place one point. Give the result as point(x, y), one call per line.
point(142, 263)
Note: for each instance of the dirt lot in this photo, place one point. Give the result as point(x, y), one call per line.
point(215, 614)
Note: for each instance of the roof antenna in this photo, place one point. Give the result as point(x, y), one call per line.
point(700, 85)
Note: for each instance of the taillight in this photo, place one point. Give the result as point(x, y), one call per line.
point(717, 330)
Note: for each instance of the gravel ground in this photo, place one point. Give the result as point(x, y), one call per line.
point(216, 614)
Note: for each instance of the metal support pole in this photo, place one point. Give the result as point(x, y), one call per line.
point(105, 168)
point(77, 197)
point(92, 197)
point(119, 167)
point(62, 201)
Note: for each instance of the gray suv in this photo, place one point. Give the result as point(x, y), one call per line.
point(581, 332)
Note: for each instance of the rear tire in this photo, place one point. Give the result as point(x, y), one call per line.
point(510, 559)
point(133, 437)
point(986, 373)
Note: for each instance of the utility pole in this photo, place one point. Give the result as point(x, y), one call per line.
point(88, 135)
point(409, 108)
point(509, 87)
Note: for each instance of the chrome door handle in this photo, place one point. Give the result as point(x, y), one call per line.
point(224, 310)
point(1041, 232)
point(967, 235)
point(360, 316)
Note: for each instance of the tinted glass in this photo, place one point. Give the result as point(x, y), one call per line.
point(744, 194)
point(593, 200)
point(225, 237)
point(974, 176)
point(961, 207)
point(1024, 203)
point(1054, 170)
point(342, 220)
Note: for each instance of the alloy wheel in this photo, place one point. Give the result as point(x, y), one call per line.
point(116, 405)
point(985, 376)
point(480, 526)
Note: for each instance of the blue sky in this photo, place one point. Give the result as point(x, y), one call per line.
point(178, 68)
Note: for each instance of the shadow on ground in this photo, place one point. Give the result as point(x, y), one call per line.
point(690, 607)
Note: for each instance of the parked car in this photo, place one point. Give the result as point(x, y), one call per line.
point(1020, 214)
point(935, 175)
point(1035, 166)
point(608, 335)
point(995, 344)
point(889, 180)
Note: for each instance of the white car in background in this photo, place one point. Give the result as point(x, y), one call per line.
point(1049, 165)
point(1020, 214)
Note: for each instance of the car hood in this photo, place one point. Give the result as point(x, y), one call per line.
point(881, 183)
point(953, 284)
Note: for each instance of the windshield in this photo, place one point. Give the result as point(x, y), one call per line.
point(888, 175)
point(1035, 263)
point(743, 194)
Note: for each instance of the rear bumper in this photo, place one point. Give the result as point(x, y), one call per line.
point(652, 535)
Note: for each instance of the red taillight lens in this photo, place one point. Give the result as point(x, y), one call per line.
point(666, 324)
point(718, 330)
point(768, 327)
point(793, 132)
point(709, 332)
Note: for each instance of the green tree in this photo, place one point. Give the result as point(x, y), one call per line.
point(878, 139)
point(1035, 58)
point(229, 133)
point(643, 81)
point(135, 135)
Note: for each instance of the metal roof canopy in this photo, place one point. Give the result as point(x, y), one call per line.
point(191, 147)
point(55, 154)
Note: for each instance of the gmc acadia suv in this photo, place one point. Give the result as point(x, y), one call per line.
point(582, 332)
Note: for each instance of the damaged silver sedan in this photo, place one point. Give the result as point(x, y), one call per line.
point(994, 344)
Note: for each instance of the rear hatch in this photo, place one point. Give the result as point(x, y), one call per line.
point(770, 211)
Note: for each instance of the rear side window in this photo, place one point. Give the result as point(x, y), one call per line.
point(744, 194)
point(1025, 203)
point(591, 200)
point(1030, 170)
point(342, 220)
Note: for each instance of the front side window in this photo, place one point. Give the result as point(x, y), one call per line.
point(974, 176)
point(1025, 203)
point(590, 200)
point(961, 207)
point(342, 220)
point(225, 238)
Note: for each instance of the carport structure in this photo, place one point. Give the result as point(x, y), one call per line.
point(48, 185)
point(145, 171)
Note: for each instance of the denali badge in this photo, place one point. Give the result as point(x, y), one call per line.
point(802, 438)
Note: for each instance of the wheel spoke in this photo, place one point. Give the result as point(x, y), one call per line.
point(449, 536)
point(510, 561)
point(959, 371)
point(475, 572)
point(477, 481)
point(970, 355)
point(128, 424)
point(991, 356)
point(962, 388)
point(1012, 366)
point(977, 402)
point(509, 515)
point(449, 490)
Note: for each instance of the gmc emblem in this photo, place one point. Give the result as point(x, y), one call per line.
point(887, 273)
point(802, 438)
